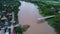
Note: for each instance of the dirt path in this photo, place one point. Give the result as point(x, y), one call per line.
point(28, 15)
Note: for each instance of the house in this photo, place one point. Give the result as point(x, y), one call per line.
point(57, 11)
point(9, 14)
point(14, 32)
point(3, 18)
point(7, 32)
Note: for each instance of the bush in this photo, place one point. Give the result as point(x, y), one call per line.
point(18, 30)
point(56, 26)
point(57, 18)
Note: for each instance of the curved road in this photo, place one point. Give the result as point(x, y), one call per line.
point(28, 14)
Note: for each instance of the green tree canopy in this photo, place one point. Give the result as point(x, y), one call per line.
point(57, 18)
point(8, 5)
point(18, 30)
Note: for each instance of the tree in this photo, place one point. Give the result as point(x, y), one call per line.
point(57, 18)
point(46, 11)
point(56, 25)
point(9, 6)
point(18, 30)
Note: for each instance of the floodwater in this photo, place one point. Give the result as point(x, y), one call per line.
point(28, 14)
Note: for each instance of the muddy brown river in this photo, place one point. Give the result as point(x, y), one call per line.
point(28, 14)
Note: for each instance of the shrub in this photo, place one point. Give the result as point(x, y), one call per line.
point(56, 24)
point(57, 18)
point(18, 30)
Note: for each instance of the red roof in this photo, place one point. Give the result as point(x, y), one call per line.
point(14, 32)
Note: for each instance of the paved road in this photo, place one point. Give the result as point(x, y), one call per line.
point(2, 32)
point(28, 15)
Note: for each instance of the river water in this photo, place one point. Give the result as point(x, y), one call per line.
point(28, 14)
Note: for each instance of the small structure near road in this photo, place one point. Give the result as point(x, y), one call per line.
point(3, 18)
point(57, 11)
